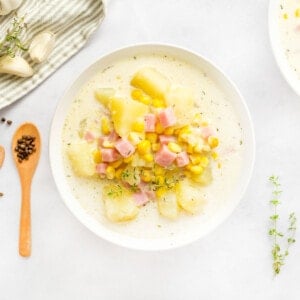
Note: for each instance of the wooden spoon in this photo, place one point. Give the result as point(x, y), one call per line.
point(26, 170)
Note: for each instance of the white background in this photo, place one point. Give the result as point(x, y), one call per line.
point(69, 262)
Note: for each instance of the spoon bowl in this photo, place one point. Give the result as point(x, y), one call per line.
point(26, 169)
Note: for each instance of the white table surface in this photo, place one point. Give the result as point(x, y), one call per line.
point(69, 262)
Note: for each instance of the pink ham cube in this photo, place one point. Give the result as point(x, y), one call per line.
point(124, 147)
point(109, 155)
point(182, 159)
point(150, 120)
point(89, 137)
point(166, 139)
point(167, 117)
point(101, 168)
point(140, 198)
point(164, 157)
point(206, 132)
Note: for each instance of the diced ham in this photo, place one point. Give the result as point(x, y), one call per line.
point(167, 117)
point(206, 132)
point(109, 155)
point(164, 157)
point(124, 147)
point(144, 187)
point(89, 137)
point(101, 140)
point(101, 168)
point(166, 139)
point(182, 159)
point(140, 198)
point(150, 120)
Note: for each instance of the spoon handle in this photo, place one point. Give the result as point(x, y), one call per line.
point(25, 221)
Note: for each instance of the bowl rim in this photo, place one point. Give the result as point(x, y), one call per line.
point(274, 37)
point(132, 242)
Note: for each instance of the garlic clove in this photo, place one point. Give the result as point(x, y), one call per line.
point(41, 46)
point(6, 6)
point(15, 65)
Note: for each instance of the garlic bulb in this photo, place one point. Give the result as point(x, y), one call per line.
point(41, 46)
point(15, 65)
point(6, 6)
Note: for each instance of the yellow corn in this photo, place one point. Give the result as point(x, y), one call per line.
point(152, 137)
point(215, 155)
point(117, 163)
point(204, 161)
point(159, 180)
point(297, 13)
point(144, 147)
point(160, 192)
point(195, 158)
point(146, 176)
point(213, 141)
point(105, 126)
point(148, 157)
point(135, 137)
point(110, 172)
point(198, 148)
point(128, 159)
point(118, 173)
point(158, 128)
point(197, 170)
point(136, 94)
point(158, 103)
point(108, 144)
point(190, 148)
point(146, 100)
point(138, 126)
point(159, 170)
point(155, 147)
point(169, 131)
point(174, 147)
point(188, 167)
point(97, 156)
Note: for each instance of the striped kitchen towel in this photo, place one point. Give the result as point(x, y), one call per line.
point(73, 22)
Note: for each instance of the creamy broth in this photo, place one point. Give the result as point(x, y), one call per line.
point(216, 108)
point(289, 26)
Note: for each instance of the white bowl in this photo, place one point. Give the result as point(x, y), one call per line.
point(57, 161)
point(282, 62)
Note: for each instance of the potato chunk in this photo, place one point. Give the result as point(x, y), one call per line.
point(182, 101)
point(151, 82)
point(104, 95)
point(124, 113)
point(188, 197)
point(81, 158)
point(119, 204)
point(167, 205)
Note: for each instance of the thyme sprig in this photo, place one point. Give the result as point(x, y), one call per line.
point(12, 42)
point(279, 255)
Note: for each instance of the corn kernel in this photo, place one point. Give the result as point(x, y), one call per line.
point(158, 128)
point(144, 147)
point(215, 155)
point(105, 126)
point(118, 173)
point(188, 167)
point(159, 170)
point(159, 180)
point(190, 149)
point(213, 141)
point(158, 103)
point(174, 147)
point(169, 131)
point(195, 158)
point(152, 137)
point(97, 157)
point(204, 161)
point(135, 137)
point(117, 163)
point(155, 147)
point(146, 176)
point(146, 99)
point(148, 157)
point(110, 172)
point(297, 13)
point(285, 16)
point(198, 148)
point(136, 94)
point(197, 170)
point(108, 144)
point(160, 192)
point(197, 119)
point(128, 159)
point(138, 126)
